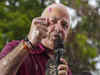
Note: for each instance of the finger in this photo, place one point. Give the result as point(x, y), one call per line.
point(38, 30)
point(52, 21)
point(41, 21)
point(38, 34)
point(62, 67)
point(46, 20)
point(43, 33)
point(51, 28)
point(39, 18)
point(34, 33)
point(63, 61)
point(43, 28)
point(62, 72)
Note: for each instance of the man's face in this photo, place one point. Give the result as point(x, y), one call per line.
point(58, 26)
point(58, 23)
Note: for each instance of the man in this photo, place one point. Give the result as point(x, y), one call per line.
point(30, 56)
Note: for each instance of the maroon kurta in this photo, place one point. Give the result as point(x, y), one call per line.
point(34, 63)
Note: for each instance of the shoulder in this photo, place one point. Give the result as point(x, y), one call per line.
point(8, 47)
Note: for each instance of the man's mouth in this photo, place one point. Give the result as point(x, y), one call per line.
point(54, 35)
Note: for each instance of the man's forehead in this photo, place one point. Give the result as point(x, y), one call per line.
point(53, 13)
point(55, 9)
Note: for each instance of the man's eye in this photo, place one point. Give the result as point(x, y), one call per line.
point(64, 24)
point(54, 20)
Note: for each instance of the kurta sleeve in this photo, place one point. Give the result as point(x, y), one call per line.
point(8, 48)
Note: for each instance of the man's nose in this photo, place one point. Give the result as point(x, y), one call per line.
point(58, 28)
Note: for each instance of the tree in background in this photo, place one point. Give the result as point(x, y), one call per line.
point(83, 43)
point(16, 17)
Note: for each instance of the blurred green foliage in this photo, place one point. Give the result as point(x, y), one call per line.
point(16, 18)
